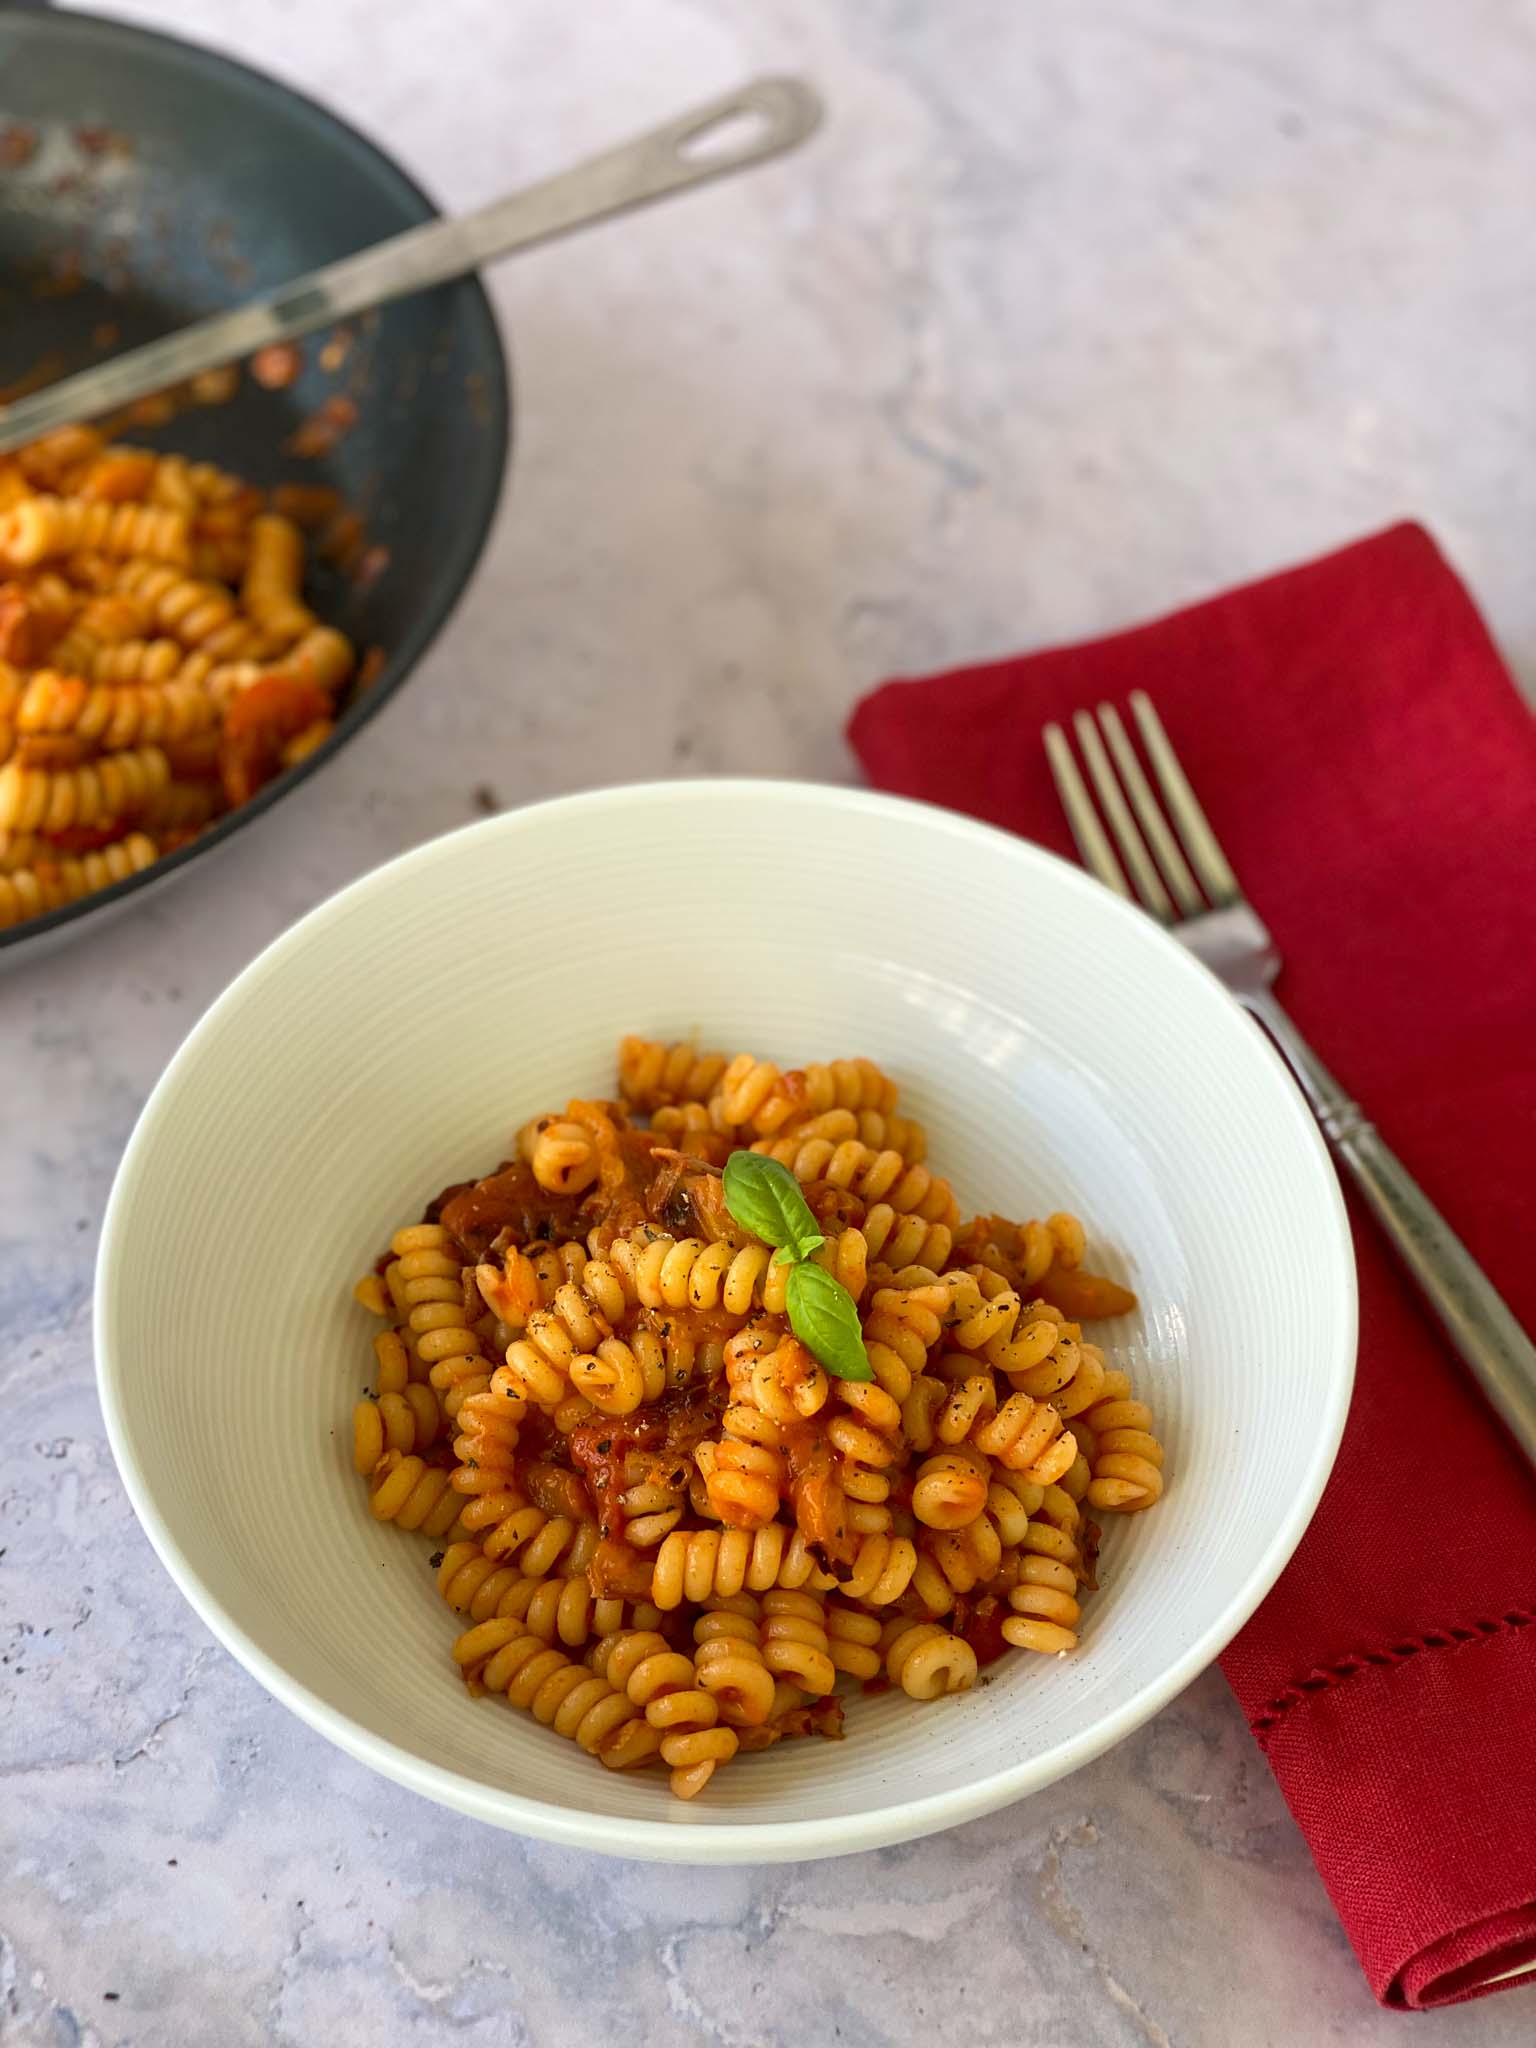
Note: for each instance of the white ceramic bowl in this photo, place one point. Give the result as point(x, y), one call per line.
point(1063, 1053)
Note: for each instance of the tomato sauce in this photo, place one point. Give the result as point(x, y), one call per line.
point(982, 1628)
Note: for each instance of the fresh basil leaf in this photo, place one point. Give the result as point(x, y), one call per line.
point(825, 1317)
point(764, 1197)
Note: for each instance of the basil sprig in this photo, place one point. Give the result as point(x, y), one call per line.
point(825, 1317)
point(764, 1197)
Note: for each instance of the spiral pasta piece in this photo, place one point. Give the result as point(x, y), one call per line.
point(1022, 1434)
point(684, 1714)
point(926, 1661)
point(652, 1506)
point(617, 1376)
point(562, 1153)
point(903, 1323)
point(743, 1481)
point(51, 882)
point(504, 1656)
point(21, 850)
point(866, 1442)
point(96, 631)
point(949, 1491)
point(686, 1126)
point(120, 473)
point(407, 1421)
point(473, 1583)
point(794, 1639)
point(530, 1278)
point(654, 1075)
point(537, 1542)
point(274, 575)
point(1058, 1241)
point(413, 1494)
point(853, 1641)
point(195, 611)
point(1011, 1500)
point(873, 1176)
point(755, 1096)
point(486, 1446)
point(111, 719)
point(1125, 1458)
point(774, 1383)
point(881, 1133)
point(114, 790)
point(558, 1609)
point(1027, 1436)
point(44, 526)
point(567, 1611)
point(569, 1345)
point(693, 1564)
point(894, 1240)
point(729, 1665)
point(1045, 1608)
point(1014, 1337)
point(144, 662)
point(955, 1561)
point(63, 455)
point(426, 1278)
point(668, 1272)
point(322, 656)
point(882, 1570)
point(742, 1089)
point(1072, 1379)
point(402, 1415)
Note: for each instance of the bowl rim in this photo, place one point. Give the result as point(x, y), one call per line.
point(725, 1842)
point(461, 559)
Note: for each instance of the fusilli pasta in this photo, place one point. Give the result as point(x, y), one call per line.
point(587, 1390)
point(158, 663)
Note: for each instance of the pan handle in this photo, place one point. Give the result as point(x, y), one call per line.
point(757, 121)
point(745, 127)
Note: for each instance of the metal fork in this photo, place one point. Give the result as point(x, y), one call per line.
point(1182, 877)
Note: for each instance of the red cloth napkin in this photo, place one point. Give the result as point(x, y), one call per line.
point(1371, 773)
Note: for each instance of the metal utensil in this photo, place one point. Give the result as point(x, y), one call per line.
point(748, 126)
point(1182, 877)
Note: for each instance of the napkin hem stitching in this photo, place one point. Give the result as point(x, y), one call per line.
point(1328, 1677)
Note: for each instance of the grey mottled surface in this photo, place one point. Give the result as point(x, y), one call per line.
point(1075, 313)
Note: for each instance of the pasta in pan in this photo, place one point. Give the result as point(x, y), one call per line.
point(157, 661)
point(713, 1403)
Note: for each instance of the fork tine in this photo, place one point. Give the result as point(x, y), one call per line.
point(1147, 809)
point(1190, 822)
point(1098, 855)
point(1133, 848)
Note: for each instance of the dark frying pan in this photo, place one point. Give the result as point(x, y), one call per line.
point(145, 183)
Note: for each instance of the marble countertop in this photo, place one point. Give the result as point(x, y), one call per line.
point(1073, 314)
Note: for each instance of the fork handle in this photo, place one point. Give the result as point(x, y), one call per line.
point(1476, 1317)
